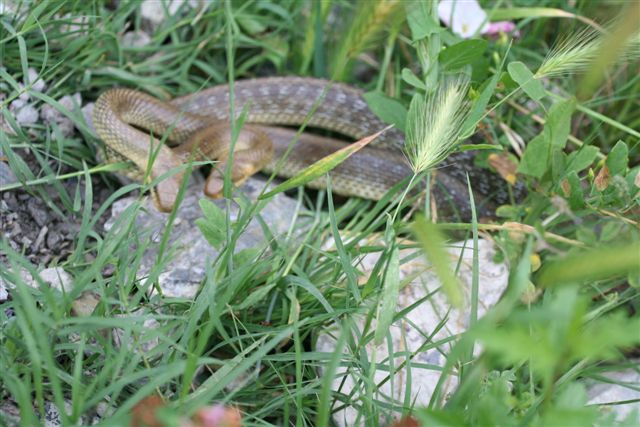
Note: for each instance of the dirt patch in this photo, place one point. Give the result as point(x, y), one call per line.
point(34, 229)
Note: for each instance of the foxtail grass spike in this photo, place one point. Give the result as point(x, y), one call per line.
point(435, 124)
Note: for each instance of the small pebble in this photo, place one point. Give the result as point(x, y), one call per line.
point(40, 239)
point(7, 176)
point(38, 212)
point(37, 84)
point(57, 278)
point(51, 115)
point(53, 241)
point(135, 39)
point(27, 115)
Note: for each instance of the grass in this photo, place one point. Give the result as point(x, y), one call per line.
point(248, 337)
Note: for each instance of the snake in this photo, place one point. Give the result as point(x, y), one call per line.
point(197, 126)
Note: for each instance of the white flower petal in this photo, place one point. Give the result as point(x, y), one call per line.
point(464, 17)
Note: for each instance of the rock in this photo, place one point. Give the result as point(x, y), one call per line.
point(135, 39)
point(4, 294)
point(7, 7)
point(51, 115)
point(7, 176)
point(78, 24)
point(9, 410)
point(38, 212)
point(52, 416)
point(4, 89)
point(36, 82)
point(53, 240)
point(609, 394)
point(87, 113)
point(84, 305)
point(190, 251)
point(57, 278)
point(153, 11)
point(25, 115)
point(417, 327)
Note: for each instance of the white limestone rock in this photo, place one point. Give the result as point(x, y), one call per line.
point(422, 325)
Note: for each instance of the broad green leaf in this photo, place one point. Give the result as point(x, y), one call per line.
point(462, 54)
point(535, 159)
point(524, 77)
point(596, 264)
point(421, 24)
point(556, 129)
point(251, 24)
point(389, 110)
point(569, 409)
point(323, 165)
point(576, 195)
point(213, 225)
point(582, 159)
point(412, 79)
point(618, 159)
point(558, 122)
point(433, 243)
point(611, 231)
point(476, 113)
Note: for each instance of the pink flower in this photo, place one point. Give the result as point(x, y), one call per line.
point(505, 27)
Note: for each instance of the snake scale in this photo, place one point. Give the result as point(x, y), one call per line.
point(199, 123)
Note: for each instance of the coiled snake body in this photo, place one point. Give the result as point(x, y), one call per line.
point(198, 123)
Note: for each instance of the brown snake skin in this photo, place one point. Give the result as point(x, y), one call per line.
point(369, 173)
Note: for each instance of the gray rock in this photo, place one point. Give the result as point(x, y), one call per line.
point(7, 7)
point(26, 115)
point(9, 410)
point(4, 294)
point(411, 332)
point(4, 126)
point(38, 212)
point(87, 113)
point(190, 252)
point(55, 277)
point(155, 11)
point(51, 115)
point(7, 176)
point(135, 39)
point(608, 395)
point(53, 240)
point(37, 83)
point(52, 416)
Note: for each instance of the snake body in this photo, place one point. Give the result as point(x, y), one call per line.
point(342, 109)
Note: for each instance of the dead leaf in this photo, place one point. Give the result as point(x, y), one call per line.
point(505, 166)
point(84, 305)
point(566, 187)
point(603, 179)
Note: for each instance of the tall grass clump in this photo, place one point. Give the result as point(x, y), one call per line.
point(371, 19)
